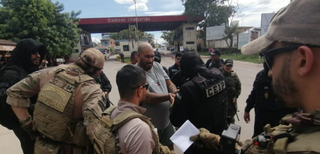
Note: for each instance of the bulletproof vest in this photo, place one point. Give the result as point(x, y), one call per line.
point(54, 109)
point(7, 117)
point(105, 140)
point(211, 104)
point(210, 87)
point(265, 97)
point(285, 139)
point(231, 83)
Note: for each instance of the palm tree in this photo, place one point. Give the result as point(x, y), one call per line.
point(229, 32)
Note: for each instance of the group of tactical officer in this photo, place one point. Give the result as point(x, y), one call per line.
point(233, 83)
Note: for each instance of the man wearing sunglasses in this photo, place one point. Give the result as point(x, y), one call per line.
point(26, 59)
point(291, 47)
point(136, 135)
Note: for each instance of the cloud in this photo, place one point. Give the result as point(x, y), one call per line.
point(140, 7)
point(124, 1)
point(171, 5)
point(164, 13)
point(94, 39)
point(251, 13)
point(130, 1)
point(157, 36)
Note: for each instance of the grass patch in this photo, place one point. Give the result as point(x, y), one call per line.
point(237, 56)
point(126, 59)
point(241, 57)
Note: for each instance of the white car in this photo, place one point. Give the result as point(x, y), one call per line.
point(60, 61)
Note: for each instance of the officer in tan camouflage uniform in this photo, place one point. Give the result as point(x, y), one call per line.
point(233, 87)
point(69, 104)
point(291, 47)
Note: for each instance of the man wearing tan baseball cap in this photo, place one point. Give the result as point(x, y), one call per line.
point(68, 107)
point(291, 48)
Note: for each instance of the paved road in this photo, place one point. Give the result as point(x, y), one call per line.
point(9, 144)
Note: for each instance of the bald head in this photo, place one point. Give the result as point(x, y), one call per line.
point(144, 46)
point(145, 54)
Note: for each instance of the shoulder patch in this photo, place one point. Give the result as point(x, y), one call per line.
point(199, 79)
point(215, 89)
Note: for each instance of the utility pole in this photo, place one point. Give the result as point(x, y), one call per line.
point(136, 31)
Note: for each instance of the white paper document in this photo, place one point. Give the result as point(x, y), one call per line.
point(181, 137)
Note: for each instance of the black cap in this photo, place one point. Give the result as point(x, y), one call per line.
point(215, 52)
point(228, 62)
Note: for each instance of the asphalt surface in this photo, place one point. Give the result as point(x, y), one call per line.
point(9, 144)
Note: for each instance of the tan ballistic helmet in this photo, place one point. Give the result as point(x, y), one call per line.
point(93, 57)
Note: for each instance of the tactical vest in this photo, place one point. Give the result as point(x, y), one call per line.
point(105, 136)
point(54, 108)
point(285, 139)
point(231, 84)
point(212, 103)
point(265, 97)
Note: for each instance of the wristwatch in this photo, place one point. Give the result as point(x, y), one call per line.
point(22, 122)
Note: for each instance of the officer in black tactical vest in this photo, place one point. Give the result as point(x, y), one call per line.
point(26, 59)
point(215, 61)
point(202, 99)
point(263, 99)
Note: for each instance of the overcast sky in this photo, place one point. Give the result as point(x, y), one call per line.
point(250, 10)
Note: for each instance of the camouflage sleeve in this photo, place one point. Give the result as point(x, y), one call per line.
point(93, 107)
point(19, 93)
point(238, 87)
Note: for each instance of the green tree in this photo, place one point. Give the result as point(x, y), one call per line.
point(168, 36)
point(41, 20)
point(214, 13)
point(152, 44)
point(132, 35)
point(230, 31)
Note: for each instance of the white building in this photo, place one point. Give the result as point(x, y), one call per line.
point(185, 37)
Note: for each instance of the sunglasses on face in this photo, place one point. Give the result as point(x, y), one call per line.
point(270, 54)
point(143, 86)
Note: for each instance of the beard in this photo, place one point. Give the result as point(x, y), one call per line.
point(145, 65)
point(285, 89)
point(35, 61)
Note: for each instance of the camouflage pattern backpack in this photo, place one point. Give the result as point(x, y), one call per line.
point(104, 141)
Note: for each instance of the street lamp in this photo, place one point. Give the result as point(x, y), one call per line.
point(135, 9)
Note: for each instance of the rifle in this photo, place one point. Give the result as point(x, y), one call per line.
point(234, 109)
point(237, 116)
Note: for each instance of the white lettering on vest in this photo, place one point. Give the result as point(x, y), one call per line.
point(215, 89)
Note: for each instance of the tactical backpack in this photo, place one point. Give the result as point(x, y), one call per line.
point(105, 141)
point(52, 116)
